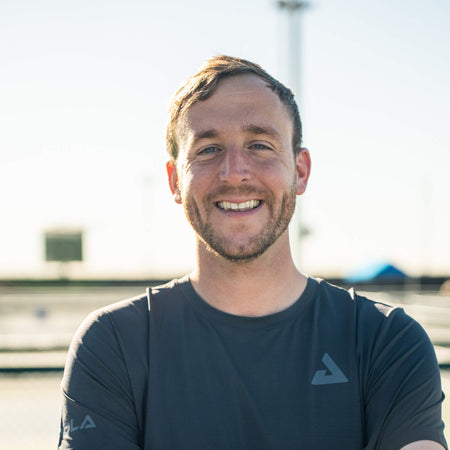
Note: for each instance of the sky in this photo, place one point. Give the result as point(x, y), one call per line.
point(84, 91)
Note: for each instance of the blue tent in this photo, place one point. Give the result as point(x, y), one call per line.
point(381, 271)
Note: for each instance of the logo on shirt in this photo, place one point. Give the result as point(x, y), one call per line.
point(332, 375)
point(87, 422)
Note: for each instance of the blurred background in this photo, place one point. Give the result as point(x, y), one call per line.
point(86, 214)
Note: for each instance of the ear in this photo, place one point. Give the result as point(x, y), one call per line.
point(173, 180)
point(303, 167)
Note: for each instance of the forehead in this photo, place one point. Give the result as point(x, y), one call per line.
point(237, 99)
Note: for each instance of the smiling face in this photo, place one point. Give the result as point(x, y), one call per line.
point(236, 175)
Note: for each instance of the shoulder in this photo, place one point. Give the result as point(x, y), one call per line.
point(114, 337)
point(348, 301)
point(375, 325)
point(127, 316)
point(132, 310)
point(172, 291)
point(109, 318)
point(106, 335)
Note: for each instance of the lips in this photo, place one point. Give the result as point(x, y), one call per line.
point(243, 206)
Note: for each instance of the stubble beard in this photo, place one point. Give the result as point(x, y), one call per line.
point(255, 246)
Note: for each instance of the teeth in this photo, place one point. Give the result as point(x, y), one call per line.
point(244, 206)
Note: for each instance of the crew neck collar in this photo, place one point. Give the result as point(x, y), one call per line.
point(187, 290)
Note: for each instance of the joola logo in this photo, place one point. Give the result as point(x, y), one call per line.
point(333, 374)
point(87, 423)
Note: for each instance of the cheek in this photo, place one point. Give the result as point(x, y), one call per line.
point(279, 176)
point(191, 188)
point(184, 178)
point(196, 179)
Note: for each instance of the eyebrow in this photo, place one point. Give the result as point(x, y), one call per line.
point(206, 134)
point(261, 129)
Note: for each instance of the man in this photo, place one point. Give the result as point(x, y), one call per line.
point(247, 352)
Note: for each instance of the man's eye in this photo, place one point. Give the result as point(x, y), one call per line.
point(208, 150)
point(260, 147)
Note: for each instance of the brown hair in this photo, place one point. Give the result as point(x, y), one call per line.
point(202, 85)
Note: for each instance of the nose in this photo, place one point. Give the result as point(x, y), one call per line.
point(234, 168)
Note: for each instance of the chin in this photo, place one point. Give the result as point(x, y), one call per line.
point(238, 253)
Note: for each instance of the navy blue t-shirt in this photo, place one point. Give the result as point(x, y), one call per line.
point(168, 371)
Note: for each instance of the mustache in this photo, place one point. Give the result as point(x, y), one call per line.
point(246, 190)
point(224, 191)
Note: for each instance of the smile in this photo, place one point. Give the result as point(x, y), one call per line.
point(244, 206)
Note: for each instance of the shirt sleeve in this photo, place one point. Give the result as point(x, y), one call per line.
point(98, 410)
point(402, 390)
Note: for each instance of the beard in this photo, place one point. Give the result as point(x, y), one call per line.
point(255, 246)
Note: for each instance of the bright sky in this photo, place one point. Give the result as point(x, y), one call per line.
point(84, 88)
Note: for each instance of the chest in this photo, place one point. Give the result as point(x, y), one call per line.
point(290, 386)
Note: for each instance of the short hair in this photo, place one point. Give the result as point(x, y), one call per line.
point(203, 84)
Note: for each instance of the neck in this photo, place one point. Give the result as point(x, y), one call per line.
point(265, 285)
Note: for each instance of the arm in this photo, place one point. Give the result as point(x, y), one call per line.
point(402, 387)
point(98, 408)
point(423, 445)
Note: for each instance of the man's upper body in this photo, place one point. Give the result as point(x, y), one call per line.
point(167, 370)
point(250, 322)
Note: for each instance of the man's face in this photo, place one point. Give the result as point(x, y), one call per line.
point(236, 172)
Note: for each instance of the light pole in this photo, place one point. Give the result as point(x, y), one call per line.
point(292, 9)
